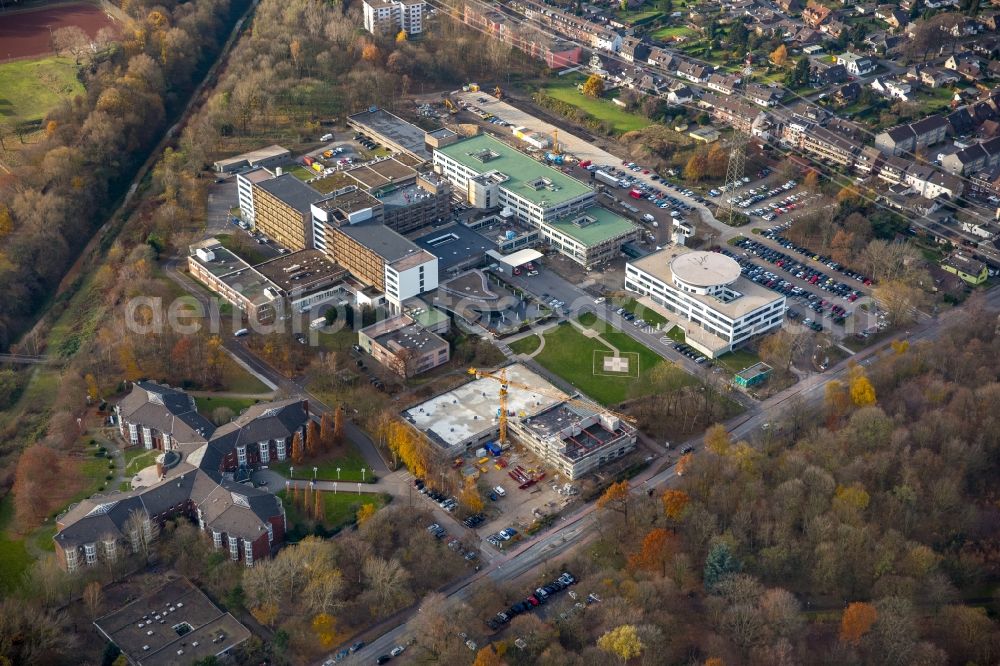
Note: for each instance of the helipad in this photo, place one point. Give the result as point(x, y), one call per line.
point(705, 269)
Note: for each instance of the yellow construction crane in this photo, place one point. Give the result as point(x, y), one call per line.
point(501, 377)
point(498, 93)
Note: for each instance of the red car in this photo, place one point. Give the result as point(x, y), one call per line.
point(645, 172)
point(532, 600)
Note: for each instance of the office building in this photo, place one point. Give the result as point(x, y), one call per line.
point(404, 346)
point(705, 293)
point(282, 210)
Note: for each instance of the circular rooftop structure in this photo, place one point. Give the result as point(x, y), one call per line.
point(705, 269)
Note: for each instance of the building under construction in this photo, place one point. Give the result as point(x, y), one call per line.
point(573, 435)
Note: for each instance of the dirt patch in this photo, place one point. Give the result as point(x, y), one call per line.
point(26, 34)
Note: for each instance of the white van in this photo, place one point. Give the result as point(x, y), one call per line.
point(326, 137)
point(240, 333)
point(500, 491)
point(648, 218)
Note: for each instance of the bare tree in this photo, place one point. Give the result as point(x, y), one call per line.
point(388, 584)
point(71, 39)
point(93, 598)
point(142, 532)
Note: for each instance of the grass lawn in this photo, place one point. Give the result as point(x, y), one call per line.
point(14, 556)
point(339, 508)
point(207, 404)
point(638, 15)
point(30, 88)
point(339, 340)
point(570, 354)
point(301, 172)
point(642, 312)
point(526, 345)
point(669, 33)
point(349, 461)
point(238, 380)
point(676, 334)
point(603, 109)
point(738, 360)
point(138, 458)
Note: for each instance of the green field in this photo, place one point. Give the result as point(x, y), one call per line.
point(571, 355)
point(670, 33)
point(603, 109)
point(138, 458)
point(30, 88)
point(738, 360)
point(301, 172)
point(207, 404)
point(350, 464)
point(339, 508)
point(525, 345)
point(14, 557)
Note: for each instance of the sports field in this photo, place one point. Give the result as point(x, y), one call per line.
point(29, 88)
point(24, 34)
point(621, 120)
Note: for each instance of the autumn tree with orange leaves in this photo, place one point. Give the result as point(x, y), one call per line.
point(857, 621)
point(654, 555)
point(616, 498)
point(674, 503)
point(297, 454)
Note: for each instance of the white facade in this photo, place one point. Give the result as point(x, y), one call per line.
point(728, 316)
point(383, 16)
point(405, 283)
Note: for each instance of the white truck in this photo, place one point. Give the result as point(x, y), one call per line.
point(607, 178)
point(317, 324)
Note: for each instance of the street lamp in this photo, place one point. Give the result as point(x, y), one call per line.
point(362, 473)
point(338, 474)
point(315, 469)
point(291, 472)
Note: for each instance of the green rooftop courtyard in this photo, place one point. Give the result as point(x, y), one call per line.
point(604, 226)
point(484, 153)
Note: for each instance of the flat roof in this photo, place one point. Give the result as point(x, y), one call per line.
point(521, 257)
point(347, 201)
point(403, 197)
point(705, 269)
point(469, 412)
point(300, 270)
point(381, 240)
point(173, 625)
point(255, 155)
point(593, 226)
point(379, 174)
point(393, 130)
point(225, 262)
point(453, 245)
point(753, 296)
point(578, 429)
point(538, 183)
point(413, 336)
point(754, 370)
point(292, 191)
point(257, 175)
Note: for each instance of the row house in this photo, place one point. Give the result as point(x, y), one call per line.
point(815, 14)
point(764, 95)
point(868, 161)
point(830, 146)
point(723, 83)
point(913, 136)
point(893, 169)
point(985, 155)
point(931, 183)
point(663, 59)
point(732, 111)
point(634, 50)
point(694, 72)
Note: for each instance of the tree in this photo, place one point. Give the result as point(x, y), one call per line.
point(365, 513)
point(324, 626)
point(326, 431)
point(780, 348)
point(400, 36)
point(313, 443)
point(837, 401)
point(370, 53)
point(657, 548)
point(717, 440)
point(470, 497)
point(717, 161)
point(616, 498)
point(779, 56)
point(856, 621)
point(297, 454)
point(811, 181)
point(487, 656)
point(222, 415)
point(719, 564)
point(683, 463)
point(93, 598)
point(37, 472)
point(696, 167)
point(593, 86)
point(142, 532)
point(388, 584)
point(319, 508)
point(674, 503)
point(899, 299)
point(862, 391)
point(338, 425)
point(71, 39)
point(622, 642)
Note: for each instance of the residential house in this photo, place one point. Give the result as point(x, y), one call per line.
point(662, 59)
point(606, 40)
point(957, 59)
point(868, 161)
point(896, 18)
point(815, 14)
point(634, 50)
point(830, 146)
point(960, 122)
point(935, 77)
point(763, 95)
point(981, 156)
point(823, 73)
point(650, 84)
point(969, 270)
point(892, 88)
point(990, 21)
point(680, 94)
point(856, 65)
point(883, 43)
point(694, 72)
point(848, 93)
point(931, 183)
point(723, 83)
point(789, 6)
point(732, 111)
point(965, 27)
point(893, 169)
point(913, 136)
point(833, 28)
point(993, 69)
point(806, 37)
point(971, 71)
point(987, 47)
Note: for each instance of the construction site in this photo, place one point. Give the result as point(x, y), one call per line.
point(513, 404)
